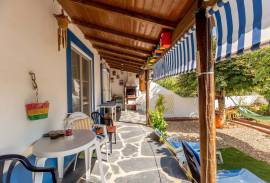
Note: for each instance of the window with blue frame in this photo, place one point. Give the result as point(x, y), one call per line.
point(80, 76)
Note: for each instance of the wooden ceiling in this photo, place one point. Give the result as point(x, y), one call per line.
point(125, 32)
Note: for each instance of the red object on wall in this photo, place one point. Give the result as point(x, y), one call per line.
point(165, 39)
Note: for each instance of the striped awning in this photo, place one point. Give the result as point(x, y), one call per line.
point(240, 25)
point(180, 58)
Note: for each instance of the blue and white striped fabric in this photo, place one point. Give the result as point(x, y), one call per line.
point(241, 25)
point(181, 57)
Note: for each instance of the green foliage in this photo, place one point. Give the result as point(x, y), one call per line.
point(160, 104)
point(261, 63)
point(157, 120)
point(187, 85)
point(169, 83)
point(235, 76)
point(235, 159)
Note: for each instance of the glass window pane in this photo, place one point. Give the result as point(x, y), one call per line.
point(86, 85)
point(76, 84)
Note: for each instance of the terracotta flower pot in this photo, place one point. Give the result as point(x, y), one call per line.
point(218, 122)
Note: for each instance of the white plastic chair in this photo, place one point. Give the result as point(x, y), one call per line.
point(79, 120)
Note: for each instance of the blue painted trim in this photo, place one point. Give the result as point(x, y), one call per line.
point(101, 83)
point(72, 38)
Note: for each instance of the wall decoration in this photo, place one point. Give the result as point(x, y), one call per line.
point(117, 76)
point(36, 110)
point(121, 82)
point(113, 73)
point(63, 22)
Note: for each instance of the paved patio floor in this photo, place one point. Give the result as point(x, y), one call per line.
point(136, 158)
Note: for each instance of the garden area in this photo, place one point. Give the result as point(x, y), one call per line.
point(240, 146)
point(244, 75)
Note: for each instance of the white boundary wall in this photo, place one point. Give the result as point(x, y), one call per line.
point(175, 105)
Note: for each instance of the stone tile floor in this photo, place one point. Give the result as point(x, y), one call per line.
point(136, 158)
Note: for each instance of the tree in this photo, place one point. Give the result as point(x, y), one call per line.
point(261, 63)
point(232, 77)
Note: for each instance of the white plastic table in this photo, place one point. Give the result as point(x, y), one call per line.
point(81, 140)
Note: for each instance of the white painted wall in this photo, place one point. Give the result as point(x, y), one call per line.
point(28, 37)
point(128, 77)
point(175, 105)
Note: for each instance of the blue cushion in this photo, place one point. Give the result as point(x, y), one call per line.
point(242, 175)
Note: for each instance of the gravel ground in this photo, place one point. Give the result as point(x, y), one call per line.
point(248, 140)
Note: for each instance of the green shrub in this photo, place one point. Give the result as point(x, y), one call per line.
point(157, 120)
point(160, 104)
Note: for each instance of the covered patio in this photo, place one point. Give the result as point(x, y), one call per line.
point(136, 158)
point(79, 52)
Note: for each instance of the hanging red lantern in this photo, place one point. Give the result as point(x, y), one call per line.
point(165, 39)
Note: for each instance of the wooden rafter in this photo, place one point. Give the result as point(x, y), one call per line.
point(185, 24)
point(102, 52)
point(132, 54)
point(120, 48)
point(124, 68)
point(123, 61)
point(139, 16)
point(116, 44)
point(104, 55)
point(113, 31)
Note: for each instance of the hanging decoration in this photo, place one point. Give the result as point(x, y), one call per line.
point(63, 22)
point(165, 39)
point(164, 44)
point(36, 110)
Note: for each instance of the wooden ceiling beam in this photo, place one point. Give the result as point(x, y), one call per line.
point(103, 52)
point(113, 31)
point(185, 23)
point(123, 61)
point(138, 16)
point(124, 68)
point(112, 43)
point(104, 55)
point(132, 54)
point(122, 48)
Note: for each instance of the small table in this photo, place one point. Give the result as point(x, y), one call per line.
point(81, 140)
point(109, 105)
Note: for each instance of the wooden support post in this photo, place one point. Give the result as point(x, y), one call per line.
point(147, 87)
point(206, 90)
